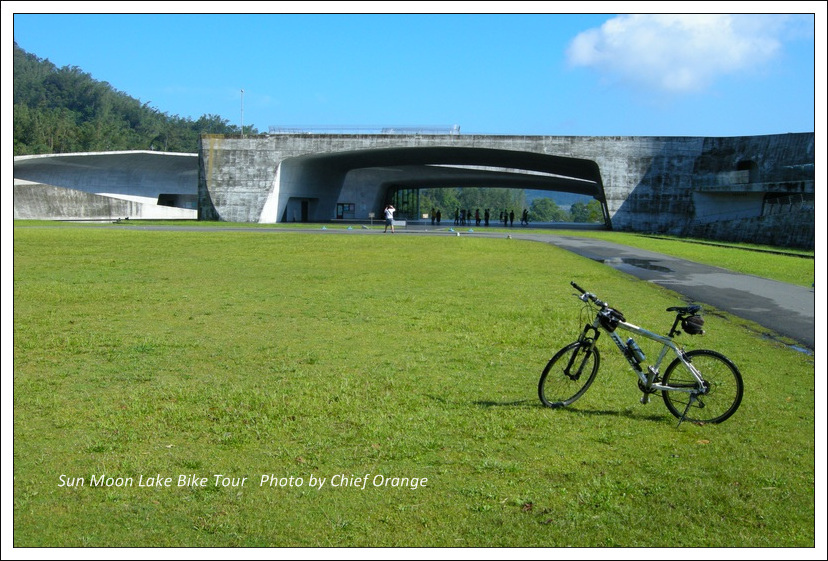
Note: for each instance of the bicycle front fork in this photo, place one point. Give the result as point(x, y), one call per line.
point(578, 360)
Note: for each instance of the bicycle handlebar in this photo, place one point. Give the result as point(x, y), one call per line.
point(588, 296)
point(578, 288)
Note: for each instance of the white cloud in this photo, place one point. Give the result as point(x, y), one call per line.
point(678, 52)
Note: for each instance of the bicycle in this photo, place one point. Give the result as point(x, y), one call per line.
point(700, 386)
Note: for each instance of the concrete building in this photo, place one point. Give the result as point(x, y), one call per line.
point(106, 186)
point(757, 189)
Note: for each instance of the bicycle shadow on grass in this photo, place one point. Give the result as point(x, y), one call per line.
point(533, 403)
point(621, 413)
point(516, 403)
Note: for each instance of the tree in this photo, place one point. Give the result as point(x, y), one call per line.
point(587, 212)
point(596, 211)
point(547, 210)
point(472, 198)
point(443, 199)
point(58, 110)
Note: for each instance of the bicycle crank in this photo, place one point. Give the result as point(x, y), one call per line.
point(647, 389)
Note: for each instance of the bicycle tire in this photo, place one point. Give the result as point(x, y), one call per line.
point(724, 387)
point(558, 389)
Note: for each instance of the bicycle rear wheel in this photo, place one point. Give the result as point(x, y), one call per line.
point(568, 374)
point(722, 391)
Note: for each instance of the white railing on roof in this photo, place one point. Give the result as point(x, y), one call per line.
point(363, 129)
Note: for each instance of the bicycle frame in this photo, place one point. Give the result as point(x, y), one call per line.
point(647, 379)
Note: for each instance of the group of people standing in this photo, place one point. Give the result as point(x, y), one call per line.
point(463, 217)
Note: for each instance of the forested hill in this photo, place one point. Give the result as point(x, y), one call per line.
point(60, 110)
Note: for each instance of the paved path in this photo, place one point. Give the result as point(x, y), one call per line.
point(785, 308)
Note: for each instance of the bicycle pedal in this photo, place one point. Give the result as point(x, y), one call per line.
point(645, 399)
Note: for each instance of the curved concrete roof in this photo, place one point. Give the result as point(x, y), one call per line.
point(320, 176)
point(466, 166)
point(141, 178)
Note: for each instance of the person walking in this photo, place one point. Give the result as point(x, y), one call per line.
point(389, 218)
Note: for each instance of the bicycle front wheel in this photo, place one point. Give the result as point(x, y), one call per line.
point(720, 395)
point(568, 374)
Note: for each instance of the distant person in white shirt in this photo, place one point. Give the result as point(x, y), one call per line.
point(389, 218)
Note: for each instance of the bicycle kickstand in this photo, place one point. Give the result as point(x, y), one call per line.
point(686, 409)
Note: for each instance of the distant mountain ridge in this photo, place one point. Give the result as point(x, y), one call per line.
point(563, 200)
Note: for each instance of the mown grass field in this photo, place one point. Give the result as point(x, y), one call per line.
point(246, 354)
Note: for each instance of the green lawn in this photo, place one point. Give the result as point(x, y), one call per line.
point(413, 359)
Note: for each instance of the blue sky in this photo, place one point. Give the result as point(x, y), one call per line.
point(532, 74)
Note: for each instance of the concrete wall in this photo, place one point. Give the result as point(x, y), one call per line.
point(672, 185)
point(105, 185)
point(36, 201)
point(721, 188)
point(314, 168)
point(795, 228)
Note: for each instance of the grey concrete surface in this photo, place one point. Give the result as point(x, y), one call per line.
point(106, 185)
point(730, 188)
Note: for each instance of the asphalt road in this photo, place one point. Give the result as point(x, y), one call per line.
point(784, 308)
